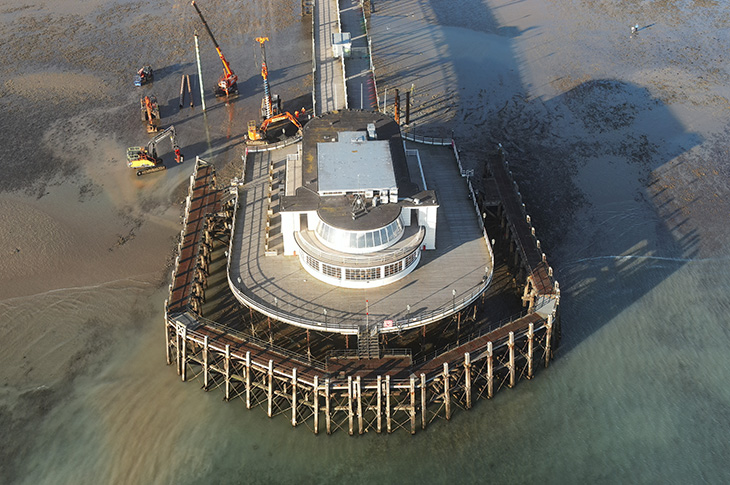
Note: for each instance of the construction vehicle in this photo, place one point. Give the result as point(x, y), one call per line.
point(150, 113)
point(144, 75)
point(271, 110)
point(145, 160)
point(227, 85)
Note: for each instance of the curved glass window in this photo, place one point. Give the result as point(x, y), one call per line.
point(360, 241)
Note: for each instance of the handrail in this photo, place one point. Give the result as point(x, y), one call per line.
point(469, 338)
point(264, 344)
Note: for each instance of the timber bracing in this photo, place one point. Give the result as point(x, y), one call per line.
point(354, 403)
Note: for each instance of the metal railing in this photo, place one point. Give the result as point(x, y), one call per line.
point(264, 344)
point(469, 338)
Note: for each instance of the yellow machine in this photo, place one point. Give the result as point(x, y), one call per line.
point(145, 160)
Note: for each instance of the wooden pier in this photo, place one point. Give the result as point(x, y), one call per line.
point(357, 395)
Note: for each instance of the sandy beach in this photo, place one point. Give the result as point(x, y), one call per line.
point(620, 146)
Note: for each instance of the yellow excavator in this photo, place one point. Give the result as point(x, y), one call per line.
point(150, 113)
point(271, 110)
point(145, 159)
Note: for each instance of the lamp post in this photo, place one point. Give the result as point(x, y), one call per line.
point(453, 299)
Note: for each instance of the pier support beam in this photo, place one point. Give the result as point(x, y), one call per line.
point(360, 423)
point(467, 378)
point(350, 417)
point(423, 401)
point(168, 357)
point(227, 366)
point(205, 361)
point(328, 416)
point(511, 345)
point(294, 397)
point(270, 390)
point(447, 392)
point(413, 404)
point(184, 363)
point(316, 404)
point(248, 380)
point(490, 371)
point(177, 349)
point(530, 339)
point(548, 338)
point(379, 404)
point(388, 424)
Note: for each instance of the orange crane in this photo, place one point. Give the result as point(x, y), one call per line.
point(227, 84)
point(271, 110)
point(150, 113)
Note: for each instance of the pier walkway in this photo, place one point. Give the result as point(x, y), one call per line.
point(330, 93)
point(359, 81)
point(520, 227)
point(203, 199)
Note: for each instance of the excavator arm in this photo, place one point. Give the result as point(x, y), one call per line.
point(280, 117)
point(169, 132)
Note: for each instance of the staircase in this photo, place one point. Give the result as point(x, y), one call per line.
point(367, 343)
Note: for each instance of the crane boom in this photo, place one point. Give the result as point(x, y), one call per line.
point(228, 82)
point(265, 75)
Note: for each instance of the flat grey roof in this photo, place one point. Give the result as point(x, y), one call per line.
point(354, 163)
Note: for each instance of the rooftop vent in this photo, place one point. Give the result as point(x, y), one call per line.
point(371, 131)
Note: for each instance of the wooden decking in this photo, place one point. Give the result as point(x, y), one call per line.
point(204, 199)
point(522, 230)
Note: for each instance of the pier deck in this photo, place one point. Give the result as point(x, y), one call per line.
point(329, 89)
point(514, 211)
point(444, 279)
point(204, 199)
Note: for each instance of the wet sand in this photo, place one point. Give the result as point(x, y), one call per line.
point(619, 144)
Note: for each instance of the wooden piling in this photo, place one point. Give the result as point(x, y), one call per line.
point(182, 90)
point(548, 338)
point(413, 404)
point(379, 405)
point(205, 362)
point(388, 424)
point(360, 423)
point(511, 345)
point(350, 417)
point(270, 393)
point(177, 349)
point(316, 404)
point(447, 393)
point(190, 92)
point(328, 416)
point(248, 380)
point(423, 401)
point(490, 371)
point(294, 397)
point(184, 361)
point(227, 366)
point(467, 378)
point(168, 357)
point(530, 338)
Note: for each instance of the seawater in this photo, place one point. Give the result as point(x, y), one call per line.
point(639, 398)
